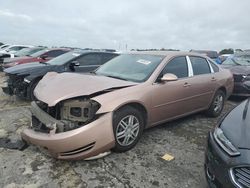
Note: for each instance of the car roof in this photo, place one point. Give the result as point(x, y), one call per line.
point(82, 51)
point(21, 45)
point(50, 49)
point(167, 53)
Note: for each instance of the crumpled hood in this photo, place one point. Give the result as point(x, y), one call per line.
point(236, 126)
point(29, 68)
point(55, 87)
point(238, 69)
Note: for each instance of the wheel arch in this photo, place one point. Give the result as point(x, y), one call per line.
point(35, 80)
point(224, 90)
point(137, 106)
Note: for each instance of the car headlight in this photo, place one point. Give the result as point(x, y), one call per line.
point(246, 77)
point(224, 143)
point(26, 80)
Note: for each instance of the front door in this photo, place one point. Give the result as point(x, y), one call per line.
point(174, 98)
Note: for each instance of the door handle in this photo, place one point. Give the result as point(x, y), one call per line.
point(187, 84)
point(213, 79)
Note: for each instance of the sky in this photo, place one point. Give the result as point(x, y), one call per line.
point(127, 24)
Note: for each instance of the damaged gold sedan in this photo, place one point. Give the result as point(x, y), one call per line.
point(78, 116)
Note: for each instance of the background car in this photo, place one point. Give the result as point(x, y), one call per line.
point(110, 108)
point(40, 56)
point(245, 55)
point(25, 52)
point(5, 52)
point(21, 54)
point(14, 48)
point(223, 57)
point(22, 79)
point(227, 161)
point(211, 54)
point(4, 46)
point(240, 67)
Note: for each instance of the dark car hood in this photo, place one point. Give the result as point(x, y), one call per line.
point(29, 68)
point(237, 69)
point(236, 126)
point(10, 60)
point(55, 87)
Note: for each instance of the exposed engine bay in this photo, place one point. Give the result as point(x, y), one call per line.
point(65, 116)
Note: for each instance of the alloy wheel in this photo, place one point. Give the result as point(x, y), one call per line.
point(127, 130)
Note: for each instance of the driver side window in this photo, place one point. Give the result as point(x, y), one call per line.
point(177, 66)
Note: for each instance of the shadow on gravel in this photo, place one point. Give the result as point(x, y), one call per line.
point(237, 99)
point(16, 145)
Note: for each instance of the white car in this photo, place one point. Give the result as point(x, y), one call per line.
point(4, 46)
point(13, 48)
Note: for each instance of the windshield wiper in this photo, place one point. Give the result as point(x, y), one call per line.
point(116, 77)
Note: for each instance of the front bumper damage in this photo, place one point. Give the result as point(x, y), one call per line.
point(14, 85)
point(84, 142)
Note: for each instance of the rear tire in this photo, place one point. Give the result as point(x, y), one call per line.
point(128, 126)
point(217, 104)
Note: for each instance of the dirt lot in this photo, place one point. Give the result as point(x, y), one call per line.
point(185, 139)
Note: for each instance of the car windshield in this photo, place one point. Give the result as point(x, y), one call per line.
point(60, 60)
point(131, 67)
point(39, 53)
point(237, 61)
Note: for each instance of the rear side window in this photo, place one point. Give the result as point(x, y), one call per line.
point(200, 65)
point(215, 67)
point(107, 57)
point(177, 66)
point(55, 53)
point(90, 59)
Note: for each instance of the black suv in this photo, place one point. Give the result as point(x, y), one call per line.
point(21, 80)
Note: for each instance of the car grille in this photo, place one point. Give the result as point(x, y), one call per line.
point(241, 176)
point(238, 78)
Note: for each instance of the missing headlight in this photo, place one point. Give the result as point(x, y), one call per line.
point(77, 112)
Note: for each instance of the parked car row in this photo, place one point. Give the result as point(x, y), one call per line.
point(9, 50)
point(41, 56)
point(23, 79)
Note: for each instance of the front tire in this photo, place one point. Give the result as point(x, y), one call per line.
point(128, 126)
point(217, 104)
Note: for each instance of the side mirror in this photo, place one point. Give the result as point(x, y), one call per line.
point(44, 56)
point(75, 64)
point(169, 77)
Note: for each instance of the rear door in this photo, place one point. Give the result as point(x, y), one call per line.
point(203, 82)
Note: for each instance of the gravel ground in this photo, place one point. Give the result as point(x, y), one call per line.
point(185, 139)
